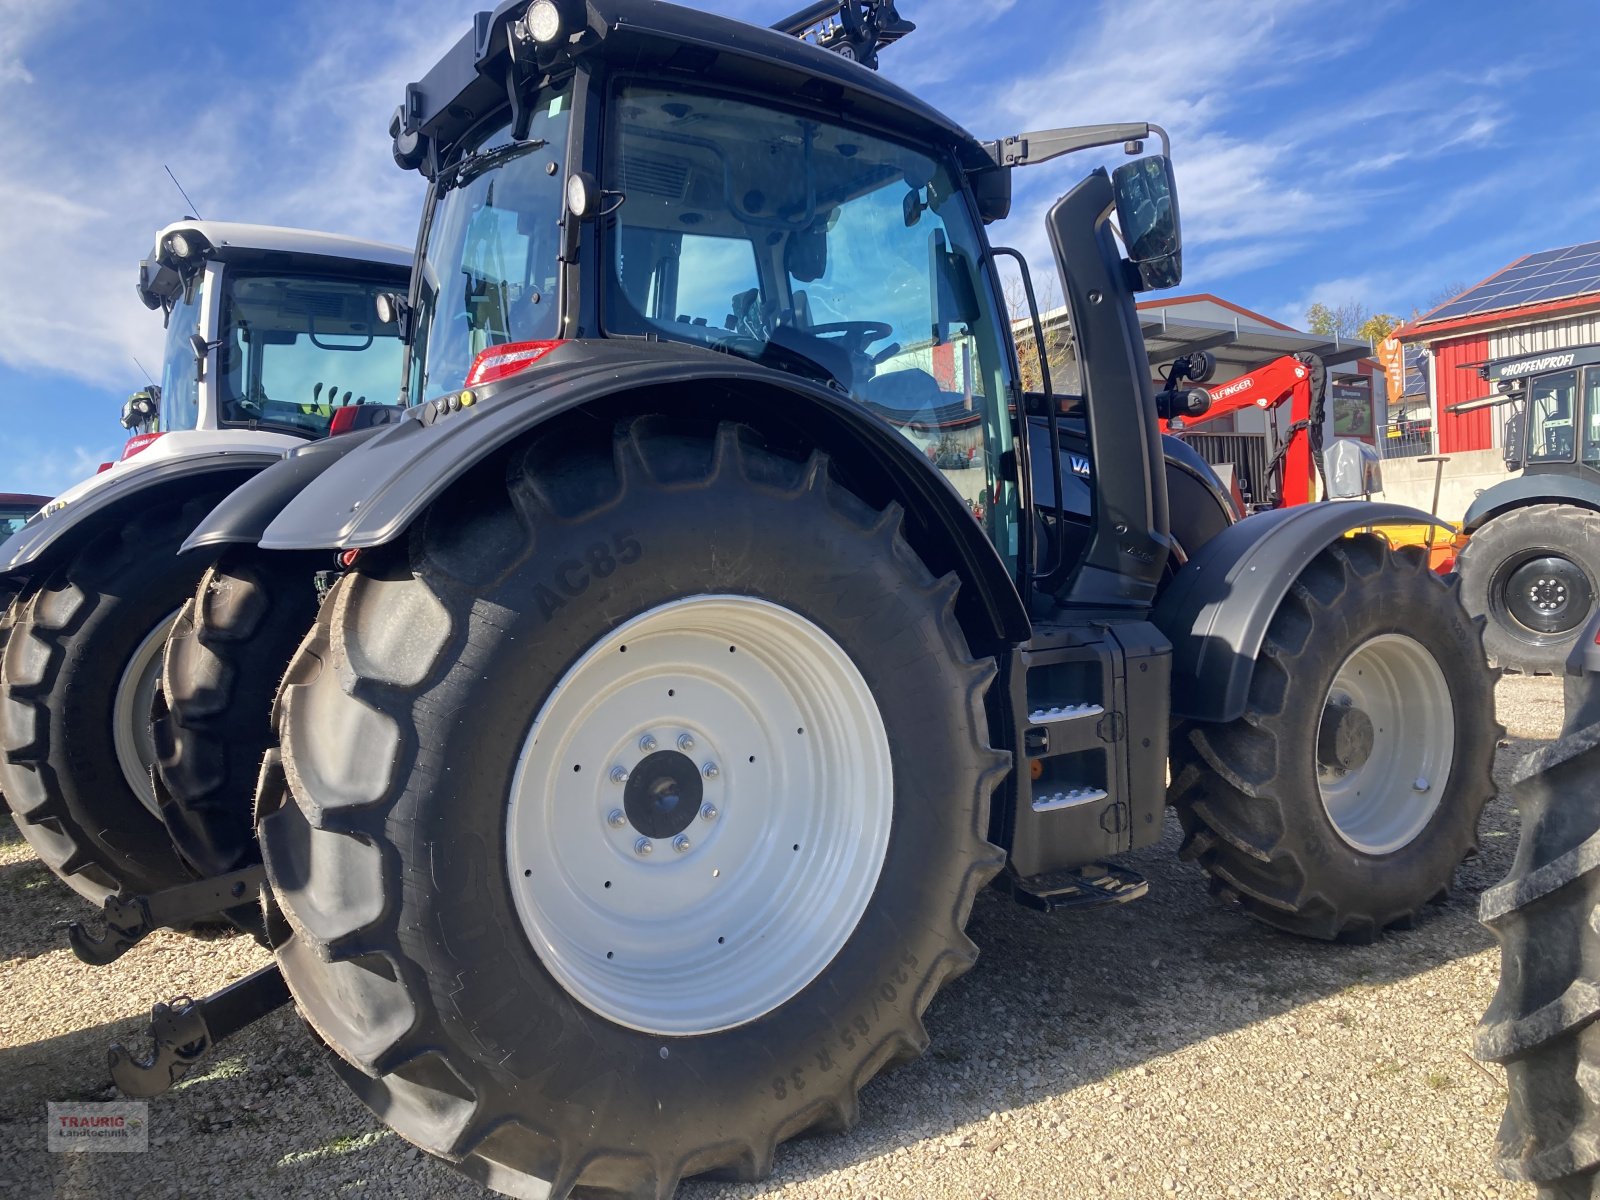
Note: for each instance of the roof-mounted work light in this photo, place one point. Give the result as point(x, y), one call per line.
point(544, 22)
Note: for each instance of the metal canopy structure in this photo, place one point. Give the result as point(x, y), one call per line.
point(1239, 347)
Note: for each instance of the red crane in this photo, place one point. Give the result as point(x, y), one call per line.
point(1296, 380)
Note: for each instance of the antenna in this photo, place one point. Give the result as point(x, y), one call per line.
point(140, 365)
point(181, 192)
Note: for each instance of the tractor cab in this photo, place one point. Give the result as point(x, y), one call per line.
point(733, 224)
point(1554, 425)
point(15, 509)
point(729, 215)
point(268, 332)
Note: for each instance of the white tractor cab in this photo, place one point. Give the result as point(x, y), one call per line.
point(269, 333)
point(272, 340)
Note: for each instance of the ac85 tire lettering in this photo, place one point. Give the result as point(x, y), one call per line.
point(574, 576)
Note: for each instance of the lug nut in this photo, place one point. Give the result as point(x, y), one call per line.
point(619, 774)
point(644, 847)
point(616, 818)
point(710, 771)
point(647, 743)
point(708, 812)
point(685, 742)
point(680, 843)
point(1421, 784)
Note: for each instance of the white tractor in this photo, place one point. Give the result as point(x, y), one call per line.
point(272, 339)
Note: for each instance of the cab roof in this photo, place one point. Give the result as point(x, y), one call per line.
point(468, 84)
point(162, 276)
point(231, 239)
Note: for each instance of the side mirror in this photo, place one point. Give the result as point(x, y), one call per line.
point(955, 299)
point(199, 347)
point(1147, 211)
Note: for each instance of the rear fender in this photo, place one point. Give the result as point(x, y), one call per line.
point(58, 532)
point(372, 495)
point(1217, 608)
point(1535, 488)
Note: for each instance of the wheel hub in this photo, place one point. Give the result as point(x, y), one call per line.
point(663, 794)
point(1346, 737)
point(1548, 595)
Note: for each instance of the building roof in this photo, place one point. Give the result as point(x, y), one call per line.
point(1240, 343)
point(1535, 284)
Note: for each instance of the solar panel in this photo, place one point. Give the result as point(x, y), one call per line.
point(1537, 279)
point(1416, 379)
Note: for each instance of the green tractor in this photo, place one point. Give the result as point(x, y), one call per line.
point(724, 615)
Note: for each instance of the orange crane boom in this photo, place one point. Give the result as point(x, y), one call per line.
point(1296, 380)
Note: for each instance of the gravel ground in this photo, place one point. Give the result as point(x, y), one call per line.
point(1168, 1047)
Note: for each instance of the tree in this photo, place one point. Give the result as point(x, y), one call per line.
point(1350, 320)
point(1342, 321)
point(1057, 339)
point(1377, 327)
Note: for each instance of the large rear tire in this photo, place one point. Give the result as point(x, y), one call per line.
point(1542, 1023)
point(674, 640)
point(1534, 573)
point(224, 659)
point(77, 680)
point(1344, 799)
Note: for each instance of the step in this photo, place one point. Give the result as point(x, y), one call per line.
point(1091, 886)
point(1068, 798)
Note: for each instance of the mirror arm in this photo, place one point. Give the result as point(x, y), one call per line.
point(1029, 149)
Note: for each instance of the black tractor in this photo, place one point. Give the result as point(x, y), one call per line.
point(1533, 564)
point(724, 615)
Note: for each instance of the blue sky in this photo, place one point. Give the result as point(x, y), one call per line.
point(1326, 151)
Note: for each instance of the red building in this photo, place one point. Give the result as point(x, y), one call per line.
point(1545, 301)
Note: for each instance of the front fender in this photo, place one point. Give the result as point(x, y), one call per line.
point(1217, 609)
point(1535, 488)
point(53, 534)
point(243, 517)
point(372, 495)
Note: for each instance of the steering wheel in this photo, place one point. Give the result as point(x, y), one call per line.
point(853, 336)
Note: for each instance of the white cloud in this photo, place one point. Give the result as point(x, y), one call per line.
point(21, 22)
point(31, 468)
point(309, 150)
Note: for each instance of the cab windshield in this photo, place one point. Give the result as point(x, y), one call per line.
point(180, 379)
point(819, 250)
point(488, 270)
point(294, 348)
point(1552, 418)
point(12, 520)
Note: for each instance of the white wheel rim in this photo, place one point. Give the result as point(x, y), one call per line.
point(130, 714)
point(1381, 804)
point(777, 870)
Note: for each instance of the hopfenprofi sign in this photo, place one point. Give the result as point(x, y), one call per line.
point(1544, 362)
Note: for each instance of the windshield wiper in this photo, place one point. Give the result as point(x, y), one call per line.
point(474, 165)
